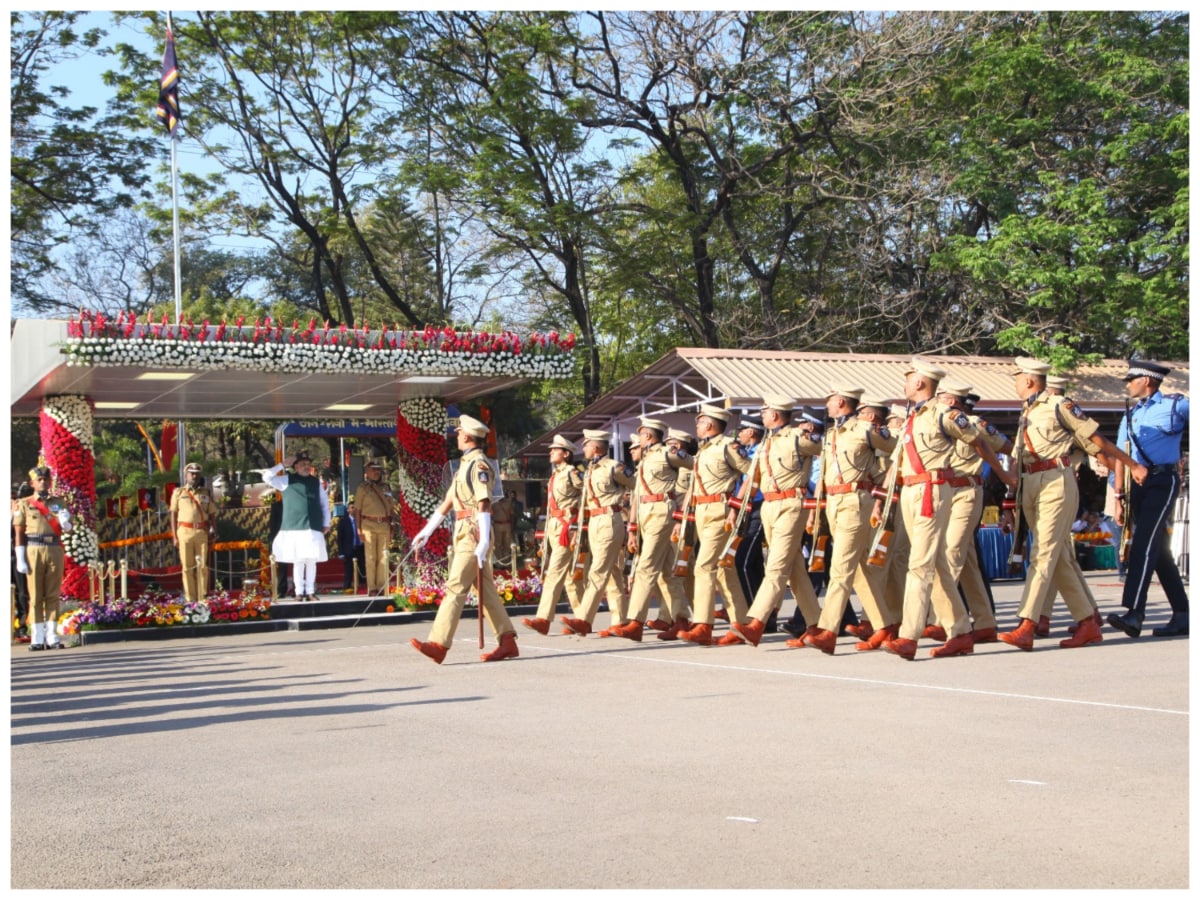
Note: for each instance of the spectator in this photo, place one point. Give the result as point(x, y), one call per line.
point(305, 522)
point(20, 582)
point(351, 547)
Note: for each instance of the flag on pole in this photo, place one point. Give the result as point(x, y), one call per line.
point(168, 92)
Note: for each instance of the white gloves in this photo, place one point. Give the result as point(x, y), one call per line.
point(485, 537)
point(22, 562)
point(64, 519)
point(422, 537)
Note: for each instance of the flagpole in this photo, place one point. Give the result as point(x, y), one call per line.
point(181, 436)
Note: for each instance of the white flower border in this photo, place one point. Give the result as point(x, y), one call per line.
point(74, 414)
point(425, 414)
point(325, 359)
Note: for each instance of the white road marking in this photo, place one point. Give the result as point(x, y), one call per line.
point(741, 819)
point(1025, 781)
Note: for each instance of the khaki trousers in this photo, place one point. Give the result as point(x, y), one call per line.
point(464, 569)
point(558, 576)
point(46, 565)
point(193, 545)
point(849, 517)
point(377, 536)
point(965, 511)
point(1049, 501)
point(895, 572)
point(927, 562)
point(783, 533)
point(710, 578)
point(656, 564)
point(606, 535)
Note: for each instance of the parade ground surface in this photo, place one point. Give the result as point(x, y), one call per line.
point(344, 759)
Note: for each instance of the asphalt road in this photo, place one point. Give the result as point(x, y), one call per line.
point(344, 759)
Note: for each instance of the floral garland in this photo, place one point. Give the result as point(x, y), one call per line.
point(271, 346)
point(421, 434)
point(65, 427)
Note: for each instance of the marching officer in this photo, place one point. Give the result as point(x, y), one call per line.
point(193, 522)
point(470, 496)
point(38, 525)
point(376, 515)
point(848, 466)
point(605, 482)
point(926, 503)
point(748, 561)
point(563, 494)
point(719, 463)
point(787, 455)
point(1050, 426)
point(656, 476)
point(1154, 426)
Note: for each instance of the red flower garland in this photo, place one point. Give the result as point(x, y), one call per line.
point(74, 469)
point(421, 452)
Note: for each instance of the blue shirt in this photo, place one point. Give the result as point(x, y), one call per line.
point(1158, 424)
point(750, 451)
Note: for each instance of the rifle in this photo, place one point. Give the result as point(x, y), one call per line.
point(579, 557)
point(1127, 490)
point(819, 541)
point(1016, 556)
point(729, 553)
point(887, 520)
point(683, 550)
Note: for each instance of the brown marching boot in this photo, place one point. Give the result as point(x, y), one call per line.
point(751, 632)
point(1043, 626)
point(657, 625)
point(902, 647)
point(436, 652)
point(984, 636)
point(507, 649)
point(1096, 617)
point(631, 630)
point(677, 628)
point(728, 639)
point(1022, 637)
point(956, 646)
point(721, 614)
point(862, 630)
point(580, 627)
point(934, 632)
point(825, 641)
point(700, 633)
point(1086, 632)
point(877, 640)
point(541, 626)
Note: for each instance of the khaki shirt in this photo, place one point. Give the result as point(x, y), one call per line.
point(852, 449)
point(605, 483)
point(933, 429)
point(1052, 426)
point(472, 482)
point(787, 459)
point(719, 463)
point(193, 506)
point(966, 459)
point(30, 520)
point(564, 490)
point(658, 472)
point(372, 504)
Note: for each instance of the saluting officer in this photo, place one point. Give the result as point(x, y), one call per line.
point(926, 503)
point(655, 484)
point(782, 473)
point(470, 496)
point(562, 510)
point(1154, 426)
point(38, 525)
point(604, 484)
point(193, 521)
point(719, 463)
point(848, 464)
point(1050, 426)
point(376, 516)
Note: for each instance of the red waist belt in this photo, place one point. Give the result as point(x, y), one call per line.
point(601, 510)
point(1059, 462)
point(779, 495)
point(375, 518)
point(965, 480)
point(193, 524)
point(709, 498)
point(652, 498)
point(934, 476)
point(847, 488)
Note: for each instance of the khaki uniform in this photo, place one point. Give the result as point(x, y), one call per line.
point(965, 514)
point(604, 484)
point(848, 467)
point(782, 474)
point(503, 519)
point(194, 515)
point(1051, 426)
point(926, 502)
point(472, 484)
point(719, 463)
point(562, 509)
point(656, 478)
point(45, 554)
point(375, 512)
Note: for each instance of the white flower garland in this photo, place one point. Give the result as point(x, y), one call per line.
point(425, 413)
point(274, 357)
point(416, 496)
point(74, 415)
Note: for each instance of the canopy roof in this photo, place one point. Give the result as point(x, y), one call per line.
point(673, 387)
point(40, 369)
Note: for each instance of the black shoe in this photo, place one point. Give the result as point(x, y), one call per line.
point(1127, 623)
point(792, 629)
point(1177, 627)
point(37, 646)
